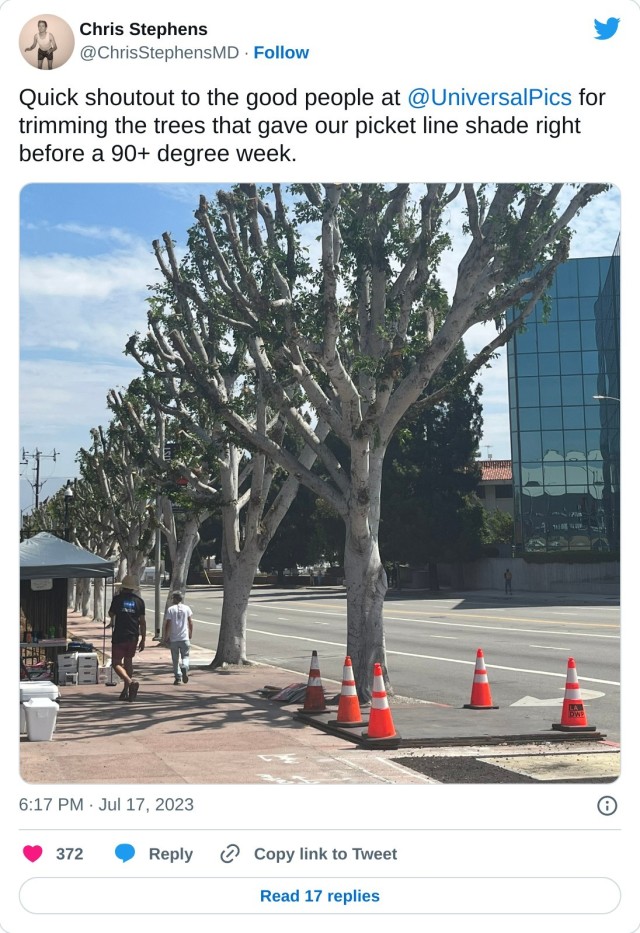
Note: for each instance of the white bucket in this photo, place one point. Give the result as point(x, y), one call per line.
point(41, 716)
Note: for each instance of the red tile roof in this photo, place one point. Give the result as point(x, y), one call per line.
point(493, 470)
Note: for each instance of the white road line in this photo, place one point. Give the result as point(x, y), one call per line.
point(550, 647)
point(431, 657)
point(313, 621)
point(487, 628)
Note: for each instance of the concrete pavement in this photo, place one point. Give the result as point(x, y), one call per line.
point(220, 729)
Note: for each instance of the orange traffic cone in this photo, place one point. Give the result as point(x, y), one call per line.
point(380, 721)
point(314, 701)
point(574, 718)
point(348, 706)
point(480, 690)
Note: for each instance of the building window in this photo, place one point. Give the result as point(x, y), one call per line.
point(504, 492)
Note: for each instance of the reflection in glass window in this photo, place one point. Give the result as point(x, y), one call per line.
point(530, 419)
point(549, 364)
point(566, 489)
point(589, 277)
point(568, 309)
point(569, 335)
point(548, 337)
point(550, 390)
point(553, 474)
point(593, 445)
point(527, 364)
point(567, 280)
point(572, 390)
point(574, 445)
point(593, 416)
point(571, 362)
point(591, 387)
point(528, 393)
point(573, 417)
point(532, 478)
point(588, 335)
point(530, 445)
point(576, 473)
point(551, 418)
point(552, 445)
point(590, 362)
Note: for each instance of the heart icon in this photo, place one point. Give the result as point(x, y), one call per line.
point(33, 853)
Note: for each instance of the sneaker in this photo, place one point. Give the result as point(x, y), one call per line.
point(134, 686)
point(177, 682)
point(125, 694)
point(185, 675)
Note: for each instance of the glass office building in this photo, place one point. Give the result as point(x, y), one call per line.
point(565, 441)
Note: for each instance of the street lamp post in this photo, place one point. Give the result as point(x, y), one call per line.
point(68, 497)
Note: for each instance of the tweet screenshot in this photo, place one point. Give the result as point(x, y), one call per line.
point(313, 322)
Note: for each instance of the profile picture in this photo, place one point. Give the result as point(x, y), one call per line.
point(46, 42)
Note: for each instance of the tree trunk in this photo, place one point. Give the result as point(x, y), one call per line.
point(366, 585)
point(238, 572)
point(364, 574)
point(181, 556)
point(71, 594)
point(85, 591)
point(98, 599)
point(136, 562)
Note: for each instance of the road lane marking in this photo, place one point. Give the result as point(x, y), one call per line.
point(550, 647)
point(389, 610)
point(557, 701)
point(487, 628)
point(431, 657)
point(313, 621)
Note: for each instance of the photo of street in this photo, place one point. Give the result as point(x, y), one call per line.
point(320, 484)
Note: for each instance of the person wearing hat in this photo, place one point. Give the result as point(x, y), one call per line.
point(178, 630)
point(127, 614)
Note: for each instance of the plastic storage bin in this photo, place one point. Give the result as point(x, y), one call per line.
point(41, 716)
point(35, 688)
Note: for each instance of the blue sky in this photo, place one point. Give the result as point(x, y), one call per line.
point(86, 262)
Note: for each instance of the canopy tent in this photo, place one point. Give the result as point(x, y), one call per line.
point(46, 557)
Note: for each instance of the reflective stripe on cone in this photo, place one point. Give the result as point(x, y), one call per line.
point(480, 690)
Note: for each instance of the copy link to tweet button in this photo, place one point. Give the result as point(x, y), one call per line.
point(356, 895)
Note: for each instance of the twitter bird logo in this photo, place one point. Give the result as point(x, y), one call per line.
point(606, 30)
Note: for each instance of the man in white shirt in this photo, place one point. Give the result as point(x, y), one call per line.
point(178, 629)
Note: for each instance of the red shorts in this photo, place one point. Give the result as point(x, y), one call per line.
point(126, 649)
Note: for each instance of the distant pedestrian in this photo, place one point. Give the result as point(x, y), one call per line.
point(178, 631)
point(127, 614)
point(507, 582)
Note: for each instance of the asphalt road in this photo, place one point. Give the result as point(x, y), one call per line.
point(432, 644)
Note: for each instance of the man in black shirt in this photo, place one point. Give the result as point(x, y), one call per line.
point(128, 620)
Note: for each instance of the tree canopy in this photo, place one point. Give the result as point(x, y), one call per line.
point(328, 300)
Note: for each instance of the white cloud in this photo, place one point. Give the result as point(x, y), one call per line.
point(61, 401)
point(88, 304)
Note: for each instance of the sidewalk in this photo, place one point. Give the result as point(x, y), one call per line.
point(220, 729)
point(217, 729)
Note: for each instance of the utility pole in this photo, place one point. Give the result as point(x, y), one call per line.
point(37, 456)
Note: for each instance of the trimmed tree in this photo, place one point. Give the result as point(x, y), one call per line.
point(354, 336)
